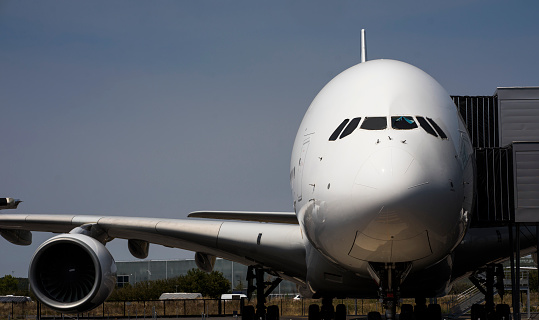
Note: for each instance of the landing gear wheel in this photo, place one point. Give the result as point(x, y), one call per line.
point(327, 312)
point(374, 315)
point(503, 311)
point(478, 312)
point(420, 309)
point(314, 312)
point(434, 312)
point(248, 313)
point(340, 312)
point(273, 313)
point(391, 308)
point(407, 312)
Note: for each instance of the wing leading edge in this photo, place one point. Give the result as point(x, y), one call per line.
point(276, 246)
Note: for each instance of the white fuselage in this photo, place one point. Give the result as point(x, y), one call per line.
point(385, 188)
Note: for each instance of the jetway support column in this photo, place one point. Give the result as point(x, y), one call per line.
point(512, 261)
point(514, 243)
point(489, 284)
point(517, 271)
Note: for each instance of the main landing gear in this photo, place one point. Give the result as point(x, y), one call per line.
point(272, 312)
point(327, 312)
point(408, 312)
point(389, 277)
point(486, 280)
point(421, 311)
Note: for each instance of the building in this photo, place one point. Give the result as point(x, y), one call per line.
point(144, 270)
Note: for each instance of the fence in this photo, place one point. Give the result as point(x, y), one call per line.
point(177, 308)
point(208, 307)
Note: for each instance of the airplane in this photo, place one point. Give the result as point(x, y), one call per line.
point(382, 174)
point(9, 203)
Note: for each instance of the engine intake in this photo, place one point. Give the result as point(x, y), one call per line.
point(72, 273)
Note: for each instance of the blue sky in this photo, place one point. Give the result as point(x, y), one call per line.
point(140, 108)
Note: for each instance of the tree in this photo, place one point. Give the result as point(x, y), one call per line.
point(8, 285)
point(211, 284)
point(534, 281)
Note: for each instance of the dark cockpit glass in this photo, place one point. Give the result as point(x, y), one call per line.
point(374, 123)
point(426, 126)
point(441, 133)
point(403, 123)
point(350, 128)
point(337, 131)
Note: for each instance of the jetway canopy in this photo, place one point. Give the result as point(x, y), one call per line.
point(504, 129)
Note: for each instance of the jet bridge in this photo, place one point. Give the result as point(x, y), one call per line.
point(504, 129)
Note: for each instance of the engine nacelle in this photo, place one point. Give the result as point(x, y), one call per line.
point(72, 273)
point(204, 261)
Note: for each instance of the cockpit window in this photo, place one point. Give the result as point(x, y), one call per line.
point(374, 123)
point(426, 126)
point(441, 133)
point(350, 128)
point(337, 131)
point(403, 123)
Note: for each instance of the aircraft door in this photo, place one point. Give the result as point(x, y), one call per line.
point(300, 165)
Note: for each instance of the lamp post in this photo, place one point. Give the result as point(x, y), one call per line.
point(232, 282)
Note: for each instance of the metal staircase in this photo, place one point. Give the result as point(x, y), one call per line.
point(464, 301)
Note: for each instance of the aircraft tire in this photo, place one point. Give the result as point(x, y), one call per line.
point(327, 312)
point(340, 312)
point(314, 312)
point(407, 312)
point(420, 312)
point(434, 312)
point(374, 315)
point(503, 311)
point(478, 312)
point(248, 313)
point(273, 312)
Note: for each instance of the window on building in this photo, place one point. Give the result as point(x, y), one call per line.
point(121, 281)
point(350, 128)
point(441, 133)
point(374, 123)
point(403, 123)
point(337, 131)
point(426, 126)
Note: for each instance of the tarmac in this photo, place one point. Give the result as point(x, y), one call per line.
point(524, 316)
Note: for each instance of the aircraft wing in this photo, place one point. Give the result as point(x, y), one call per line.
point(278, 247)
point(277, 217)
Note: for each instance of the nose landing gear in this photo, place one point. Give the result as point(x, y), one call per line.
point(389, 276)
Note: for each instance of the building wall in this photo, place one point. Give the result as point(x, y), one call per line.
point(144, 270)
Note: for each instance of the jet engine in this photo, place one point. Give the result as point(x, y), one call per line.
point(72, 273)
point(204, 261)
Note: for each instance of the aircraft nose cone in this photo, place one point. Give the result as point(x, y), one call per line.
point(390, 186)
point(390, 169)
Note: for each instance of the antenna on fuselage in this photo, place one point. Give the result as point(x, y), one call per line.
point(363, 47)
